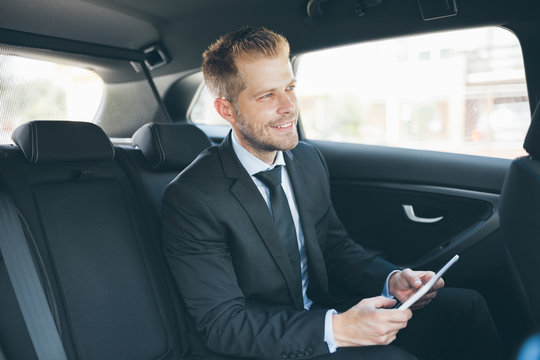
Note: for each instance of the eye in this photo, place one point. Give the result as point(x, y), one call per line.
point(291, 87)
point(266, 96)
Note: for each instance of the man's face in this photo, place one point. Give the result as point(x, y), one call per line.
point(266, 111)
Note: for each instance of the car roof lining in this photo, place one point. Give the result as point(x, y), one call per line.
point(135, 24)
point(112, 65)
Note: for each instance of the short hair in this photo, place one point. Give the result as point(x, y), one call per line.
point(219, 67)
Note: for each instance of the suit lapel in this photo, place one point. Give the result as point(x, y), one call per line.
point(304, 202)
point(249, 197)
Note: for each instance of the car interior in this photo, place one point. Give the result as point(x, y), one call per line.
point(427, 113)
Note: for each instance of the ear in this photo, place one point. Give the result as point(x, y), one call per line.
point(225, 109)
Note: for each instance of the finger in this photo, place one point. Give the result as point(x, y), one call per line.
point(426, 275)
point(390, 339)
point(418, 306)
point(398, 316)
point(424, 300)
point(412, 278)
point(433, 291)
point(384, 302)
point(429, 296)
point(396, 327)
point(439, 284)
point(422, 303)
point(390, 330)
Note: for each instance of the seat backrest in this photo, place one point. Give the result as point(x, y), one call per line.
point(98, 256)
point(162, 151)
point(520, 215)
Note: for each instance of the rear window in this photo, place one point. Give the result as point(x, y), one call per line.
point(459, 91)
point(33, 89)
point(39, 84)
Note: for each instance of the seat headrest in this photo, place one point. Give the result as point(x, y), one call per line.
point(53, 141)
point(170, 146)
point(532, 140)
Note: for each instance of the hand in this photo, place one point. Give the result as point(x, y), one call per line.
point(369, 322)
point(405, 283)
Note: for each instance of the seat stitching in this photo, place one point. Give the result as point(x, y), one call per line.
point(110, 144)
point(161, 152)
point(37, 145)
point(32, 141)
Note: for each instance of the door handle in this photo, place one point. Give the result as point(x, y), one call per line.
point(409, 211)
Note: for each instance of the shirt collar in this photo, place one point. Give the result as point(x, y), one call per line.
point(250, 162)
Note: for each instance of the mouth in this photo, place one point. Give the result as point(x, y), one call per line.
point(286, 125)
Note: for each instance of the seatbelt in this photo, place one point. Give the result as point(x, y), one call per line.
point(26, 284)
point(2, 356)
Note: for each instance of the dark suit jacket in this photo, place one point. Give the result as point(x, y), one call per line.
point(232, 269)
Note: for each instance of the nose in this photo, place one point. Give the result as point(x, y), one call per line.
point(287, 103)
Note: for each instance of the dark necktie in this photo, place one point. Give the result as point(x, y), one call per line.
point(282, 214)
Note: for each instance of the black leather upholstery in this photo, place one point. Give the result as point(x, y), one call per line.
point(170, 146)
point(49, 141)
point(520, 215)
point(102, 264)
point(163, 150)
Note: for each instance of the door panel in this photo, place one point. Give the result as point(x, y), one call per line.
point(370, 185)
point(374, 214)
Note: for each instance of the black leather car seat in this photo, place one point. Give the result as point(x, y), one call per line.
point(167, 149)
point(107, 275)
point(520, 215)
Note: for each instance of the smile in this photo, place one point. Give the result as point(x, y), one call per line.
point(284, 126)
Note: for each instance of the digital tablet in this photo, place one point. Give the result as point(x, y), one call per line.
point(428, 285)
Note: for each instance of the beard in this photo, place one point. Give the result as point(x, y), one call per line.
point(260, 141)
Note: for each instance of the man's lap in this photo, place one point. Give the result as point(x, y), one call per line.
point(359, 353)
point(456, 321)
point(456, 324)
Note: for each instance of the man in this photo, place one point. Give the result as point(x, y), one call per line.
point(258, 252)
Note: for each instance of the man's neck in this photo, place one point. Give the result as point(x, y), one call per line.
point(269, 157)
point(250, 162)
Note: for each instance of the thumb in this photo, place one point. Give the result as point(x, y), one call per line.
point(383, 302)
point(411, 278)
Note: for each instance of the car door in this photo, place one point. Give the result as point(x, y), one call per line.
point(416, 208)
point(455, 203)
point(418, 134)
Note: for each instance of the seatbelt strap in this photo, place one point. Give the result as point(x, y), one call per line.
point(26, 284)
point(155, 91)
point(2, 356)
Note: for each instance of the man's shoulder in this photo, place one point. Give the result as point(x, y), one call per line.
point(307, 154)
point(206, 166)
point(305, 149)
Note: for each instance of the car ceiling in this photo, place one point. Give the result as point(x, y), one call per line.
point(186, 28)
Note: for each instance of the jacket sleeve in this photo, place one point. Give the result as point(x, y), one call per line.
point(198, 253)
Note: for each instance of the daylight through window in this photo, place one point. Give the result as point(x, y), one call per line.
point(41, 90)
point(460, 91)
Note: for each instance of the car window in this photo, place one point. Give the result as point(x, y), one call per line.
point(33, 89)
point(459, 91)
point(38, 84)
point(202, 110)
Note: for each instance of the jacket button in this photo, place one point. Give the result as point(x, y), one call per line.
point(301, 353)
